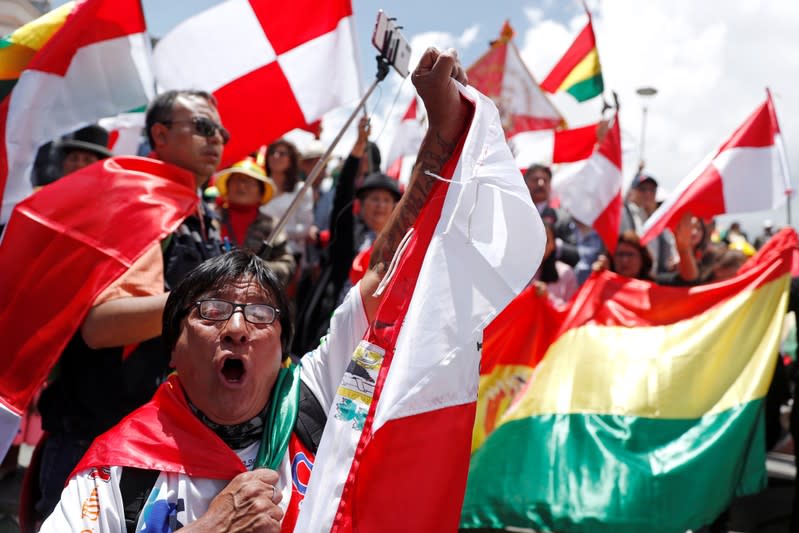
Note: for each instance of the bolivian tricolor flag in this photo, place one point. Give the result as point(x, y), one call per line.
point(646, 412)
point(578, 72)
point(74, 65)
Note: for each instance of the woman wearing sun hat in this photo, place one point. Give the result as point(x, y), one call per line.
point(243, 188)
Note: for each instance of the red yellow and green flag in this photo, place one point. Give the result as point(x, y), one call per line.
point(578, 72)
point(644, 414)
point(70, 67)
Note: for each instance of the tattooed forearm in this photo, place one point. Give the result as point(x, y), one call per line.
point(435, 151)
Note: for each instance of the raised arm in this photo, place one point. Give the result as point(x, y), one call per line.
point(449, 116)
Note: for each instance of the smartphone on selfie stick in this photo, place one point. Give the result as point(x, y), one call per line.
point(394, 51)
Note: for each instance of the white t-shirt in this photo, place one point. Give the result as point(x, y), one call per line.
point(92, 500)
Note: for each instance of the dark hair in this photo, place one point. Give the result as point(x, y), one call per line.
point(549, 271)
point(293, 172)
point(731, 259)
point(373, 153)
point(631, 238)
point(160, 109)
point(535, 167)
point(214, 274)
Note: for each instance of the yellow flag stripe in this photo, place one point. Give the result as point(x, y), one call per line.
point(26, 40)
point(704, 365)
point(585, 69)
point(13, 60)
point(37, 32)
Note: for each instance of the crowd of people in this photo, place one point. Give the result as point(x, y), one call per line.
point(178, 305)
point(164, 310)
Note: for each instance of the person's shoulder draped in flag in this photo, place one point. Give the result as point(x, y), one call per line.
point(196, 435)
point(117, 346)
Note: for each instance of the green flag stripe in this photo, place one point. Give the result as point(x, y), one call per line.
point(604, 473)
point(587, 89)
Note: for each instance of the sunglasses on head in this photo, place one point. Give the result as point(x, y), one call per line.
point(203, 126)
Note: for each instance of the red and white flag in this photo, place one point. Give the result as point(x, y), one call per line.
point(587, 175)
point(397, 443)
point(590, 189)
point(550, 147)
point(272, 66)
point(125, 132)
point(402, 153)
point(501, 75)
point(748, 172)
point(72, 66)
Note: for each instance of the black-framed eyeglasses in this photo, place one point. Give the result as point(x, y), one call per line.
point(203, 126)
point(219, 310)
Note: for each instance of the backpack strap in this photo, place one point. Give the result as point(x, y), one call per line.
point(135, 485)
point(310, 420)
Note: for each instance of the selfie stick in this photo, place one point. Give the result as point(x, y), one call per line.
point(382, 71)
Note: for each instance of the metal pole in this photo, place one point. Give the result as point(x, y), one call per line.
point(643, 139)
point(316, 173)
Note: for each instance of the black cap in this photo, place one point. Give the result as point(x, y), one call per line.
point(641, 178)
point(379, 181)
point(92, 138)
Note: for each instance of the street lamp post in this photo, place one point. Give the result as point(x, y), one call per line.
point(645, 93)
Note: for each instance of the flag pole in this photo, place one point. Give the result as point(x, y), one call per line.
point(779, 141)
point(316, 174)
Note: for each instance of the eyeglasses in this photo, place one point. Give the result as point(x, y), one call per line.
point(219, 310)
point(203, 126)
point(280, 153)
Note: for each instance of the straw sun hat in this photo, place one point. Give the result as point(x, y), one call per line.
point(248, 167)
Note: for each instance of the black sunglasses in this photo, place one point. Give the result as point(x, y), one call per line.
point(203, 126)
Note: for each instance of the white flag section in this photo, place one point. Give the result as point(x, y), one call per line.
point(272, 66)
point(477, 245)
point(126, 132)
point(96, 65)
point(405, 145)
point(9, 426)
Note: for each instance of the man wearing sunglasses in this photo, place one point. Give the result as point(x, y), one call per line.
point(115, 361)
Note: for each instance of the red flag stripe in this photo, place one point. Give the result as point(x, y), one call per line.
point(410, 113)
point(615, 300)
point(608, 223)
point(286, 30)
point(262, 123)
point(59, 252)
point(164, 435)
point(574, 144)
point(395, 449)
point(757, 132)
point(772, 112)
point(90, 22)
point(611, 144)
point(487, 72)
point(522, 123)
point(384, 332)
point(704, 198)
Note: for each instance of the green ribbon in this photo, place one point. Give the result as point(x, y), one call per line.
point(280, 419)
